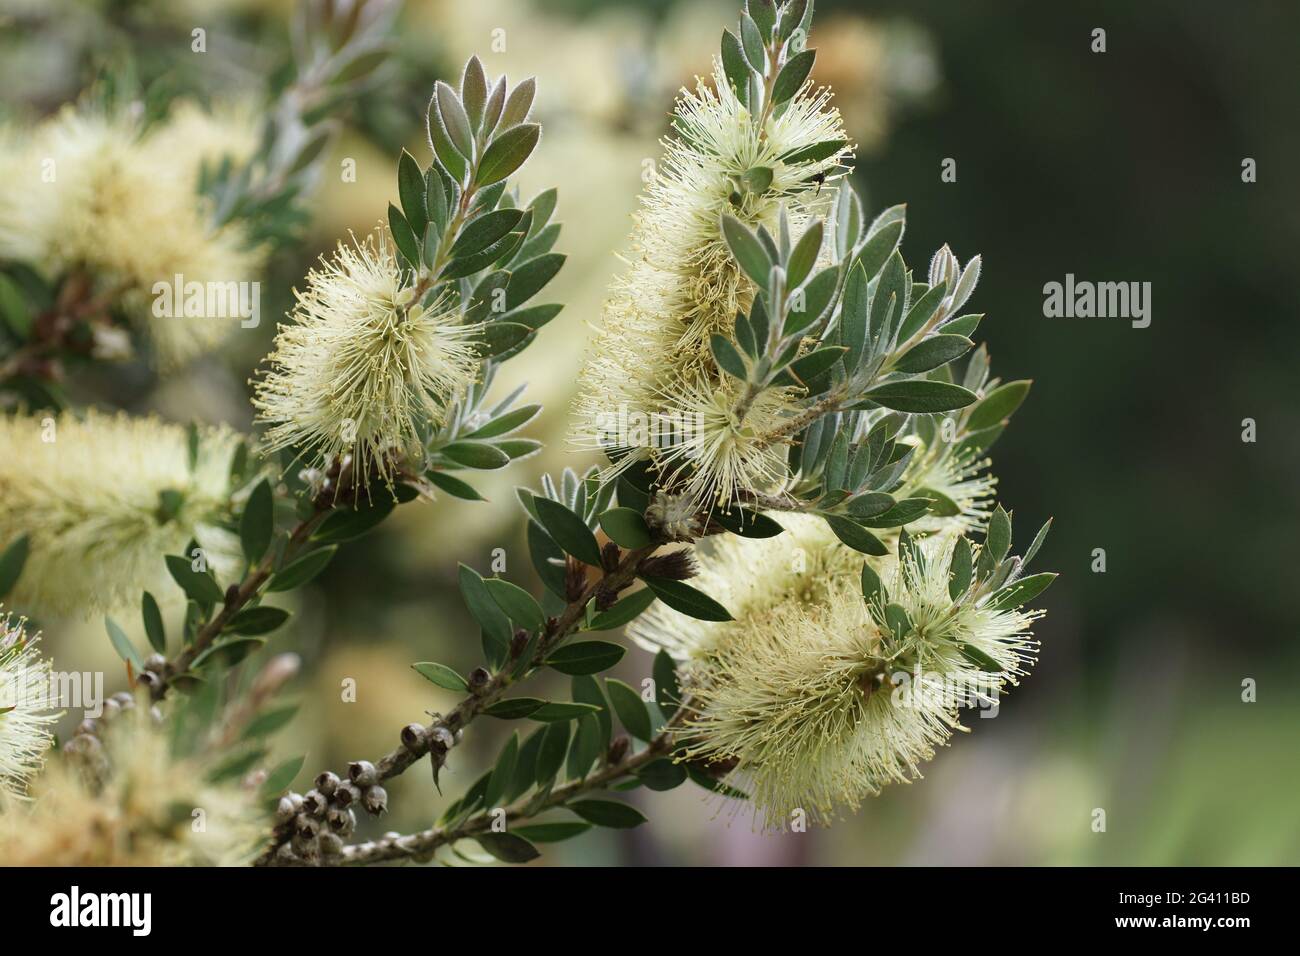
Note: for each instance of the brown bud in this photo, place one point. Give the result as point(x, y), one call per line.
point(677, 565)
point(518, 642)
point(415, 739)
point(606, 597)
point(363, 773)
point(609, 556)
point(376, 800)
point(479, 678)
point(232, 594)
point(618, 748)
point(575, 579)
point(315, 803)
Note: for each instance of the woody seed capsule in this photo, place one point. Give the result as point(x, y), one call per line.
point(362, 773)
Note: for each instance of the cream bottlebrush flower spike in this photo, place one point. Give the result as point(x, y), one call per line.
point(824, 688)
point(392, 333)
point(361, 368)
point(128, 800)
point(747, 152)
point(101, 498)
point(26, 707)
point(92, 191)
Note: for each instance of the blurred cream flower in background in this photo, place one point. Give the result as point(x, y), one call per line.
point(26, 707)
point(101, 498)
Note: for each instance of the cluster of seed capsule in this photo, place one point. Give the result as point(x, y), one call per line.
point(316, 824)
point(85, 740)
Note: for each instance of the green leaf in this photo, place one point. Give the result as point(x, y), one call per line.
point(662, 774)
point(734, 64)
point(903, 512)
point(804, 255)
point(998, 540)
point(627, 609)
point(687, 600)
point(454, 119)
point(442, 675)
point(199, 585)
point(585, 657)
point(257, 523)
point(563, 710)
point(748, 523)
point(855, 536)
point(513, 708)
point(344, 524)
point(631, 709)
point(932, 352)
point(299, 572)
point(507, 847)
point(269, 721)
point(921, 396)
point(153, 623)
point(475, 454)
point(568, 531)
point(507, 153)
point(980, 659)
point(505, 424)
point(727, 357)
point(792, 76)
point(626, 528)
point(550, 757)
point(529, 278)
point(815, 153)
point(922, 310)
point(749, 252)
point(879, 247)
point(11, 564)
point(871, 586)
point(490, 617)
point(503, 773)
point(403, 236)
point(454, 486)
point(667, 691)
point(410, 190)
point(608, 813)
point(764, 14)
point(122, 644)
point(551, 832)
point(998, 405)
point(281, 776)
point(1021, 592)
point(1037, 543)
point(519, 103)
point(480, 233)
point(518, 604)
point(960, 569)
point(257, 620)
point(585, 749)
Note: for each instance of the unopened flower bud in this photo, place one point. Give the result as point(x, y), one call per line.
point(618, 748)
point(677, 565)
point(478, 680)
point(518, 642)
point(232, 594)
point(609, 556)
point(376, 800)
point(362, 773)
point(347, 793)
point(329, 844)
point(315, 803)
point(278, 671)
point(415, 739)
point(341, 821)
point(575, 579)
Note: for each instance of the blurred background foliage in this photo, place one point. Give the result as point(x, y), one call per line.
point(1122, 166)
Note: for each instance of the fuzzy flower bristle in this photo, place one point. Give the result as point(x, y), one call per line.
point(101, 498)
point(26, 710)
point(360, 364)
point(809, 694)
point(131, 802)
point(682, 284)
point(86, 191)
